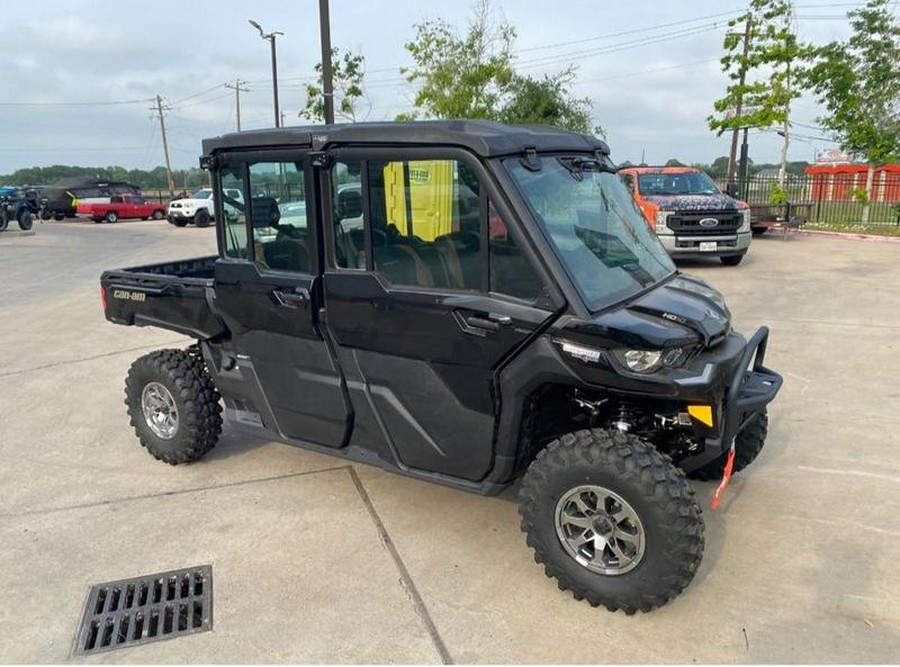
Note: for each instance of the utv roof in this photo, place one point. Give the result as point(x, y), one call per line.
point(484, 138)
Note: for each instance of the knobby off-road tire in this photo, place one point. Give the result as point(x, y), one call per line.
point(639, 493)
point(747, 446)
point(173, 405)
point(25, 221)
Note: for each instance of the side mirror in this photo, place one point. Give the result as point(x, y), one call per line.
point(732, 190)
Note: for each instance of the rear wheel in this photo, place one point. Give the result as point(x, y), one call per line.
point(4, 218)
point(112, 216)
point(59, 216)
point(173, 405)
point(612, 520)
point(733, 260)
point(747, 446)
point(25, 220)
point(201, 219)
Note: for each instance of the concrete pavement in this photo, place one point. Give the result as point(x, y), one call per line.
point(318, 561)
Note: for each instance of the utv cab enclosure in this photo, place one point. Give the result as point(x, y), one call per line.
point(466, 303)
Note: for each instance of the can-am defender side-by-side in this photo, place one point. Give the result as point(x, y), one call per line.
point(466, 303)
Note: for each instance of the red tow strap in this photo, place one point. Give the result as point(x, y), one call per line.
point(726, 477)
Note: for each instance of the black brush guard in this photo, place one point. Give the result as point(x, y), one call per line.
point(749, 391)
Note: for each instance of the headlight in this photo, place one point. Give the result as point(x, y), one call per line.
point(647, 361)
point(661, 217)
point(643, 361)
point(745, 221)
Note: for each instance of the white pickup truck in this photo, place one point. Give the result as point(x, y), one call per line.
point(198, 208)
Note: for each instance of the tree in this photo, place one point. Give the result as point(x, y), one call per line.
point(858, 83)
point(674, 162)
point(547, 101)
point(462, 77)
point(347, 74)
point(764, 53)
point(473, 76)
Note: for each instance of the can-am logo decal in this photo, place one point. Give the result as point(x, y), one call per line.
point(709, 222)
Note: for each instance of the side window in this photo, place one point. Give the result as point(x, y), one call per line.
point(347, 215)
point(235, 223)
point(278, 216)
point(426, 223)
point(511, 272)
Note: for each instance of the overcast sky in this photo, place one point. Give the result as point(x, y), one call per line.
point(652, 84)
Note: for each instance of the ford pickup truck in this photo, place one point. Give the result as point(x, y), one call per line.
point(689, 214)
point(120, 207)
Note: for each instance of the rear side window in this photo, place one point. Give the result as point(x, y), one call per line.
point(234, 226)
point(278, 216)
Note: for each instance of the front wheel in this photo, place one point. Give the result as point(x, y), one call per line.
point(179, 222)
point(25, 221)
point(173, 405)
point(158, 214)
point(612, 520)
point(732, 260)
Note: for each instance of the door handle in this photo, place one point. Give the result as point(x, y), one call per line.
point(291, 298)
point(491, 322)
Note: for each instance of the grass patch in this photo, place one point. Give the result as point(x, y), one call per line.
point(852, 228)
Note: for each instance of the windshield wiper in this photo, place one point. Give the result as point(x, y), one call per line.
point(578, 165)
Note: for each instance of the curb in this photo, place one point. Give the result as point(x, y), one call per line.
point(850, 236)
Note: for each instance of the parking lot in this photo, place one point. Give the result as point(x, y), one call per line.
point(318, 561)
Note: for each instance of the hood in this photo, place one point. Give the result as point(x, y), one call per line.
point(716, 202)
point(684, 311)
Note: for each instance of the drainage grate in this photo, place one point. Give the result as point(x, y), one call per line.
point(145, 609)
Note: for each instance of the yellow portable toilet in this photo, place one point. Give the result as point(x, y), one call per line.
point(430, 200)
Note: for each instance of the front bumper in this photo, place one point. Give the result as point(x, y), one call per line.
point(690, 246)
point(749, 391)
point(179, 215)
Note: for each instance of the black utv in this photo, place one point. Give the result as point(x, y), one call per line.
point(466, 303)
point(18, 205)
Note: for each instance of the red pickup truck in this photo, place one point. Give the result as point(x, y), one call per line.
point(120, 207)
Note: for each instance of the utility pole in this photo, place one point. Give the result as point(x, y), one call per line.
point(325, 36)
point(740, 102)
point(162, 125)
point(782, 170)
point(237, 99)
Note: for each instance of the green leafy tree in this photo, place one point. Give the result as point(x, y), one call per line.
point(347, 73)
point(547, 101)
point(858, 83)
point(462, 77)
point(761, 90)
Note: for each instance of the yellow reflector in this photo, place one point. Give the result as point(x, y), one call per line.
point(702, 413)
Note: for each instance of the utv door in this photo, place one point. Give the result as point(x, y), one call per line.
point(268, 293)
point(427, 293)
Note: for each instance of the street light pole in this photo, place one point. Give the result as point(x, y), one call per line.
point(271, 38)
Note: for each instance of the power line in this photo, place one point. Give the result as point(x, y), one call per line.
point(57, 105)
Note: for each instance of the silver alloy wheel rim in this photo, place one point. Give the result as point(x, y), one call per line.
point(600, 530)
point(159, 410)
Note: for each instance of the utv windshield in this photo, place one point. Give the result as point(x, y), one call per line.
point(692, 183)
point(596, 229)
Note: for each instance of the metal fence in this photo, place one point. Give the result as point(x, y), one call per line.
point(836, 205)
